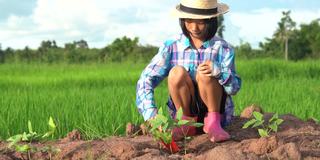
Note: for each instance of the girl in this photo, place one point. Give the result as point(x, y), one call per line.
point(200, 70)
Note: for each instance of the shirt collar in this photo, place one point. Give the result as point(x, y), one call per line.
point(185, 42)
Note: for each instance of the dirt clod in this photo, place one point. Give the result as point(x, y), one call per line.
point(247, 112)
point(287, 151)
point(75, 135)
point(261, 145)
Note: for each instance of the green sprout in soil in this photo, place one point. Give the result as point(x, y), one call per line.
point(264, 130)
point(315, 120)
point(23, 142)
point(161, 127)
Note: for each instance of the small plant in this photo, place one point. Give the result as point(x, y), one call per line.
point(258, 121)
point(315, 120)
point(14, 141)
point(161, 128)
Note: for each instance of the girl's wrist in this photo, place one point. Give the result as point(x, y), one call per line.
point(215, 72)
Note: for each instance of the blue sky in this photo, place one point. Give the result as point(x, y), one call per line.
point(27, 23)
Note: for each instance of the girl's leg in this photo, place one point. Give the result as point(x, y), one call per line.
point(211, 94)
point(181, 88)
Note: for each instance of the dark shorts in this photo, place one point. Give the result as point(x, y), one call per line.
point(197, 106)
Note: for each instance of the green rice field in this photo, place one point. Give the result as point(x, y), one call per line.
point(99, 99)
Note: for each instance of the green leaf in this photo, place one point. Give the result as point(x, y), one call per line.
point(258, 115)
point(197, 124)
point(155, 123)
point(182, 122)
point(263, 133)
point(274, 117)
point(160, 111)
point(30, 127)
point(162, 118)
point(156, 134)
point(274, 127)
point(165, 126)
point(52, 128)
point(258, 123)
point(179, 114)
point(22, 148)
point(170, 123)
point(249, 123)
point(279, 121)
point(47, 134)
point(52, 125)
point(24, 137)
point(14, 140)
point(315, 120)
point(166, 137)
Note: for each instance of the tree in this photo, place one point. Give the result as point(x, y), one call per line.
point(47, 52)
point(299, 46)
point(311, 34)
point(271, 48)
point(26, 54)
point(2, 56)
point(285, 29)
point(244, 50)
point(304, 41)
point(221, 26)
point(81, 44)
point(121, 48)
point(70, 52)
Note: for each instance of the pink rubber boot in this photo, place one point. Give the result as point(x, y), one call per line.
point(180, 132)
point(212, 126)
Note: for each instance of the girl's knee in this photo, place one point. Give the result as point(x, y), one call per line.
point(177, 74)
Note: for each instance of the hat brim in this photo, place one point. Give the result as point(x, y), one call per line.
point(177, 12)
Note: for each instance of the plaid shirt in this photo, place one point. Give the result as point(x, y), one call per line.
point(179, 51)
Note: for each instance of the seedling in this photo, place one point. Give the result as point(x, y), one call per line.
point(264, 130)
point(161, 128)
point(31, 137)
point(315, 120)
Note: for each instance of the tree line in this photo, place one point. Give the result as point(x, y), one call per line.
point(288, 42)
point(121, 49)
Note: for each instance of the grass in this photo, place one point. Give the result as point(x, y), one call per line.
point(99, 99)
point(278, 86)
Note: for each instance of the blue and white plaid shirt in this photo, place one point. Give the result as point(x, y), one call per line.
point(179, 51)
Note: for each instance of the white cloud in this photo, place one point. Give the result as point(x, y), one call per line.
point(101, 21)
point(66, 15)
point(256, 25)
point(97, 21)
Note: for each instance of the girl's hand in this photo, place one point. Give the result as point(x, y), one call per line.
point(205, 68)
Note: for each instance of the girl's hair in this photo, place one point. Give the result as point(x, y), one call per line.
point(209, 31)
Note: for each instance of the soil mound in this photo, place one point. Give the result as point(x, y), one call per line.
point(296, 139)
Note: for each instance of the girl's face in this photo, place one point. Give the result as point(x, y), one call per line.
point(195, 28)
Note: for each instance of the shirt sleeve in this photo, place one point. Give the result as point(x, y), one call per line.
point(228, 77)
point(151, 76)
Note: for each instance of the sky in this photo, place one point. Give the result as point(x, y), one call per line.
point(99, 22)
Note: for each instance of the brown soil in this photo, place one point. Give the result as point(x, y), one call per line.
point(296, 139)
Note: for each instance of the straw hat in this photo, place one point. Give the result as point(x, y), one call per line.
point(199, 9)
